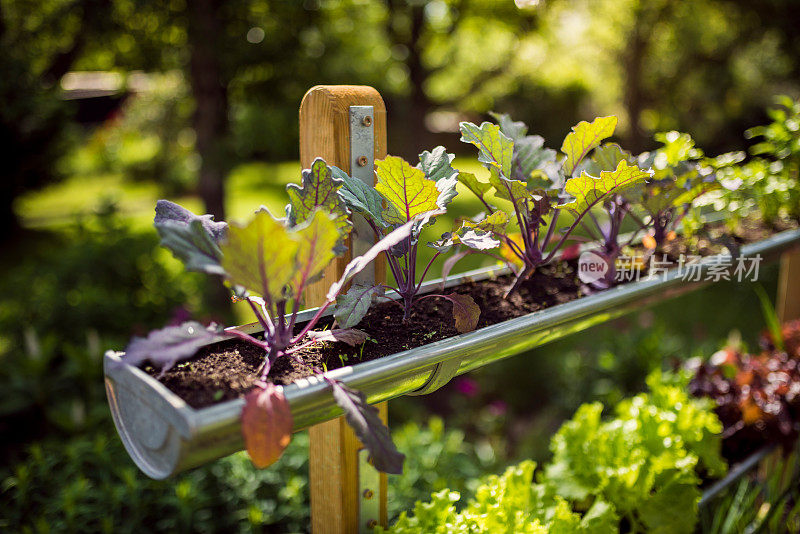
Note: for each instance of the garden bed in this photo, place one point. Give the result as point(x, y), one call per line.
point(164, 434)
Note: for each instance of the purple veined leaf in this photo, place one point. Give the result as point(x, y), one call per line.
point(465, 312)
point(163, 348)
point(359, 263)
point(266, 424)
point(368, 427)
point(354, 305)
point(351, 336)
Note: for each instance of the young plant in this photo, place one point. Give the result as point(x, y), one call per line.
point(270, 263)
point(404, 195)
point(681, 175)
point(537, 188)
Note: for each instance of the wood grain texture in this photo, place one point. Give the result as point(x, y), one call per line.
point(333, 477)
point(325, 133)
point(789, 286)
point(333, 449)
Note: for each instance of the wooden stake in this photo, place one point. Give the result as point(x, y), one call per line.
point(333, 451)
point(789, 286)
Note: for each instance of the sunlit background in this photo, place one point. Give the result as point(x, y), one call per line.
point(108, 105)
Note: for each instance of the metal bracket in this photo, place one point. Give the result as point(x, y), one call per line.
point(362, 161)
point(441, 375)
point(369, 498)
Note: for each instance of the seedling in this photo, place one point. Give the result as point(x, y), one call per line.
point(537, 187)
point(404, 194)
point(277, 260)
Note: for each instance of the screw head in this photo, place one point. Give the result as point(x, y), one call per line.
point(367, 121)
point(372, 523)
point(368, 493)
point(362, 161)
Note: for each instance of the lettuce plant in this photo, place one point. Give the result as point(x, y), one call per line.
point(270, 263)
point(404, 195)
point(681, 175)
point(537, 186)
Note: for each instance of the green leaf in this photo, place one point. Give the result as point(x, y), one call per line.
point(406, 190)
point(529, 151)
point(320, 189)
point(261, 256)
point(495, 222)
point(478, 188)
point(512, 190)
point(318, 239)
point(588, 190)
point(600, 519)
point(584, 137)
point(678, 147)
point(354, 305)
point(606, 158)
point(494, 149)
point(192, 239)
point(369, 429)
point(361, 198)
point(672, 508)
point(437, 167)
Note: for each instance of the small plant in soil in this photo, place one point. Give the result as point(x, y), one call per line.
point(537, 187)
point(270, 263)
point(404, 194)
point(681, 175)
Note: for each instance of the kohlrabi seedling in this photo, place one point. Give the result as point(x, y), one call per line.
point(537, 186)
point(403, 195)
point(270, 263)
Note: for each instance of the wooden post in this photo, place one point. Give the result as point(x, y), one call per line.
point(333, 451)
point(789, 286)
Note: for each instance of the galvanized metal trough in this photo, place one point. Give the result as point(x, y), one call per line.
point(164, 435)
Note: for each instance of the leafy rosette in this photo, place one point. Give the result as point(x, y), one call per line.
point(536, 186)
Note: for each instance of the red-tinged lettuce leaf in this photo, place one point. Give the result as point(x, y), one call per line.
point(369, 428)
point(192, 239)
point(320, 189)
point(351, 336)
point(584, 137)
point(465, 312)
point(358, 263)
point(354, 305)
point(494, 149)
point(266, 424)
point(163, 348)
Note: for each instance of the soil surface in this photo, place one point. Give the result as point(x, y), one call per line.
point(227, 370)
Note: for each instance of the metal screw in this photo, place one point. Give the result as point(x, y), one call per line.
point(372, 523)
point(368, 494)
point(362, 161)
point(367, 121)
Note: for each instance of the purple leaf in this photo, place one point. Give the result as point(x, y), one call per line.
point(359, 263)
point(354, 305)
point(351, 336)
point(192, 239)
point(166, 346)
point(369, 428)
point(465, 312)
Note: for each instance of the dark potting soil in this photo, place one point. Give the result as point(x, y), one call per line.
point(228, 369)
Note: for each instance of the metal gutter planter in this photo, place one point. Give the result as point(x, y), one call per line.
point(164, 436)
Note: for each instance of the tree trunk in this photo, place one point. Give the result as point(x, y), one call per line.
point(211, 103)
point(210, 91)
